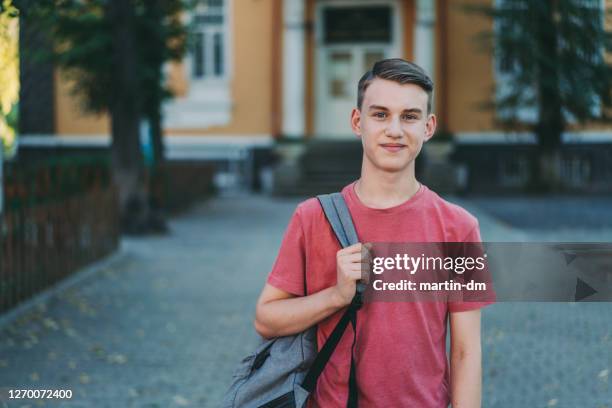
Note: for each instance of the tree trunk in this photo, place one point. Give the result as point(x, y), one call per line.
point(545, 170)
point(127, 161)
point(153, 106)
point(157, 179)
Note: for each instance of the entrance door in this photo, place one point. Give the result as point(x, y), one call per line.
point(350, 39)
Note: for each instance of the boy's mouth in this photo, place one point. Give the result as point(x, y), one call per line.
point(392, 147)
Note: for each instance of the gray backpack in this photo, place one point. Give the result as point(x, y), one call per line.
point(283, 371)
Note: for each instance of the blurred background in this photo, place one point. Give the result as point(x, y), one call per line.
point(153, 152)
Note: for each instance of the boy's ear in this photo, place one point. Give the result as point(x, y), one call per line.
point(430, 126)
point(356, 122)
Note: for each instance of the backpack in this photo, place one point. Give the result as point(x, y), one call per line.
point(283, 371)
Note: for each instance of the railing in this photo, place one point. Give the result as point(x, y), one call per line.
point(58, 217)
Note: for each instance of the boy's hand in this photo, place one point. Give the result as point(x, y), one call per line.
point(349, 264)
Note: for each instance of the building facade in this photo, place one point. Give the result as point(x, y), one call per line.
point(259, 71)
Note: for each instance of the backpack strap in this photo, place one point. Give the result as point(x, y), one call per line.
point(339, 218)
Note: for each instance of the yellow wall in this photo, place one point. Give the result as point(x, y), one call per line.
point(251, 85)
point(469, 70)
point(467, 77)
point(408, 16)
point(70, 118)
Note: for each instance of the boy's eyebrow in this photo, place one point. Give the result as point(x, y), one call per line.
point(380, 107)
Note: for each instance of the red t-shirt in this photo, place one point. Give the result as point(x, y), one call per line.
point(400, 351)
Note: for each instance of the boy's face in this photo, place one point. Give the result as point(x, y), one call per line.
point(393, 124)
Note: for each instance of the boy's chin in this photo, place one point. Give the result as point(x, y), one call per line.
point(393, 167)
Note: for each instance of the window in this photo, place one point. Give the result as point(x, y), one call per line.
point(207, 101)
point(357, 24)
point(208, 40)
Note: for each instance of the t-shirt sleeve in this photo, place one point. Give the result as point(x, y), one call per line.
point(484, 298)
point(288, 270)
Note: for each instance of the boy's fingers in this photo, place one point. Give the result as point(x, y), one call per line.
point(358, 258)
point(354, 248)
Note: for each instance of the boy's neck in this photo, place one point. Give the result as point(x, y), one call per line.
point(380, 189)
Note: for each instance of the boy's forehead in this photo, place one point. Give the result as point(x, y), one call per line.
point(393, 95)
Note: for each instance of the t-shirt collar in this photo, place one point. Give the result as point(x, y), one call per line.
point(355, 203)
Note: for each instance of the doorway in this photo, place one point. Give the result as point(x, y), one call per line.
point(350, 37)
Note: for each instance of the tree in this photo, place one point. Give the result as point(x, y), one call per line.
point(114, 51)
point(9, 76)
point(553, 53)
point(163, 30)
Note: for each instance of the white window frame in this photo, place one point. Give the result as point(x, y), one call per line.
point(208, 100)
point(209, 31)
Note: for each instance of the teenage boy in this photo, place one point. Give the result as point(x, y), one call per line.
point(400, 351)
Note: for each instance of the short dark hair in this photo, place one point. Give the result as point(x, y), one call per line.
point(397, 70)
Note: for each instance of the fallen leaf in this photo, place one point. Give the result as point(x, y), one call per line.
point(50, 324)
point(98, 350)
point(181, 401)
point(70, 332)
point(116, 358)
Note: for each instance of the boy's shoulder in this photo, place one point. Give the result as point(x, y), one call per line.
point(452, 214)
point(309, 209)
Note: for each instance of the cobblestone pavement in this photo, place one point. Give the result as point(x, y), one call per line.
point(166, 323)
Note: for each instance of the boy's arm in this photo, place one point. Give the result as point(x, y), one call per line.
point(280, 313)
point(466, 359)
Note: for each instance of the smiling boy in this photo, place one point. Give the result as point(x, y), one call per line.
point(400, 351)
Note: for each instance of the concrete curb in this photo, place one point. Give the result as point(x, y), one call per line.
point(73, 280)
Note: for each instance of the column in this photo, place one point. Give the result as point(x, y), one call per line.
point(293, 68)
point(424, 36)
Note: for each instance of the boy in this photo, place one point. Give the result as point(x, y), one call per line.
point(400, 352)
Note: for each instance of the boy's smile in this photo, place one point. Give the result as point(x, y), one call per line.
point(393, 147)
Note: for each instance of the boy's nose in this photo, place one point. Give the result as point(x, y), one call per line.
point(394, 129)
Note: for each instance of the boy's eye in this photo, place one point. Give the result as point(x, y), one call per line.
point(380, 114)
point(409, 117)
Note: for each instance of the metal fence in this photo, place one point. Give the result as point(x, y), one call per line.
point(59, 216)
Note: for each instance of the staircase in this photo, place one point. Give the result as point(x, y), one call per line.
point(325, 166)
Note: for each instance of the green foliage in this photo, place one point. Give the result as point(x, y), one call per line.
point(83, 37)
point(159, 23)
point(9, 76)
point(552, 54)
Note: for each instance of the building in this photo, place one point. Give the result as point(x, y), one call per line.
point(264, 71)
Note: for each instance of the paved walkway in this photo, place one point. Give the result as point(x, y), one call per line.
point(165, 325)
